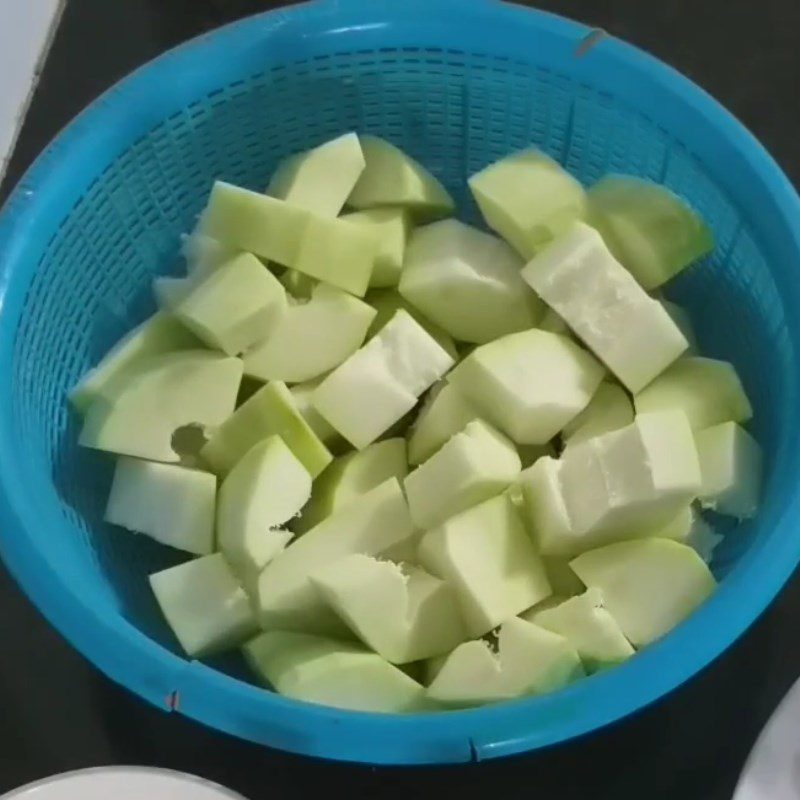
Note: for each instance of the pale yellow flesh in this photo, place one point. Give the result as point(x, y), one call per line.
point(286, 596)
point(331, 673)
point(205, 606)
point(171, 504)
point(350, 476)
point(138, 413)
point(649, 586)
point(489, 559)
point(529, 384)
point(630, 332)
point(271, 410)
point(266, 488)
point(157, 335)
point(404, 615)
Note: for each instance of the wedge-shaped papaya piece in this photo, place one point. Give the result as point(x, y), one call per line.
point(233, 308)
point(171, 504)
point(707, 390)
point(467, 282)
point(528, 199)
point(310, 339)
point(629, 331)
point(205, 606)
point(332, 673)
point(156, 336)
point(474, 465)
point(651, 230)
point(271, 410)
point(403, 614)
point(649, 585)
point(138, 412)
point(380, 383)
point(348, 477)
point(392, 178)
point(320, 179)
point(488, 558)
point(287, 598)
point(529, 384)
point(265, 489)
point(589, 627)
point(529, 660)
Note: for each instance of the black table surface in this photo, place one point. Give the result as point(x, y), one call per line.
point(58, 713)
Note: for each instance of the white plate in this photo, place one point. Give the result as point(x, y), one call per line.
point(122, 783)
point(772, 771)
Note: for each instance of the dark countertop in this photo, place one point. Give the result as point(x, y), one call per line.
point(58, 713)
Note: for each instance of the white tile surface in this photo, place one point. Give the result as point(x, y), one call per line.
point(772, 771)
point(26, 30)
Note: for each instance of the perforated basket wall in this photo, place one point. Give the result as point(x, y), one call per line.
point(101, 214)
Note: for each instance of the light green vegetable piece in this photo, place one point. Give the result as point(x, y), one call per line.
point(444, 413)
point(271, 410)
point(629, 331)
point(332, 673)
point(301, 394)
point(609, 410)
point(529, 384)
point(391, 178)
point(310, 339)
point(529, 660)
point(254, 222)
point(157, 335)
point(319, 180)
point(528, 199)
point(589, 627)
point(138, 412)
point(391, 227)
point(649, 585)
point(622, 484)
point(474, 465)
point(488, 558)
point(204, 605)
point(708, 391)
point(287, 598)
point(203, 254)
point(171, 504)
point(468, 282)
point(348, 477)
point(387, 302)
point(403, 614)
point(338, 252)
point(649, 229)
point(330, 250)
point(544, 508)
point(265, 489)
point(234, 307)
point(380, 383)
point(731, 465)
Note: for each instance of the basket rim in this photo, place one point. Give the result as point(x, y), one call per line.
point(133, 660)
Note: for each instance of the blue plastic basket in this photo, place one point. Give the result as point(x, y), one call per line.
point(457, 83)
